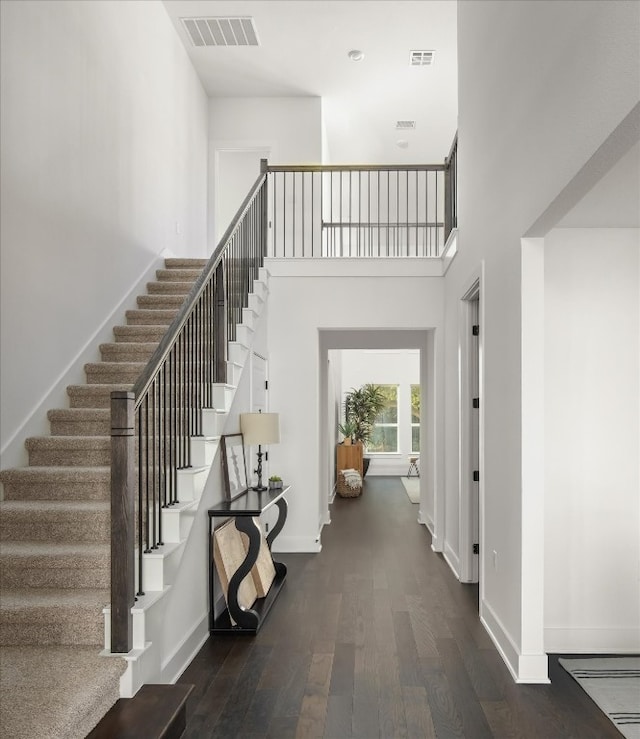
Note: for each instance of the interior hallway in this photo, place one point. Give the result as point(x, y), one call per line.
point(374, 637)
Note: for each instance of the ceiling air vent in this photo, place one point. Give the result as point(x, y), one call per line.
point(421, 58)
point(221, 31)
point(405, 125)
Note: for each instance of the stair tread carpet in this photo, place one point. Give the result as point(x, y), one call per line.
point(185, 263)
point(67, 506)
point(55, 553)
point(73, 687)
point(56, 483)
point(40, 475)
point(142, 332)
point(169, 288)
point(178, 275)
point(149, 316)
point(54, 565)
point(14, 602)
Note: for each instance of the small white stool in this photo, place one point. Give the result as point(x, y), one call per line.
point(413, 467)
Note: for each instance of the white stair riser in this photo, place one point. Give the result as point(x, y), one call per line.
point(176, 523)
point(256, 303)
point(222, 396)
point(249, 318)
point(141, 669)
point(233, 373)
point(191, 483)
point(213, 422)
point(263, 276)
point(160, 569)
point(237, 352)
point(203, 450)
point(244, 334)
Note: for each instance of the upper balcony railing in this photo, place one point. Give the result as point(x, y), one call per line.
point(361, 211)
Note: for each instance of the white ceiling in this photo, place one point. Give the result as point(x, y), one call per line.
point(303, 51)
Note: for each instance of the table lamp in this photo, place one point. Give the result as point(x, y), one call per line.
point(260, 428)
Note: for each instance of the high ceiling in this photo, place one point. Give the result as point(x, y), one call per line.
point(303, 47)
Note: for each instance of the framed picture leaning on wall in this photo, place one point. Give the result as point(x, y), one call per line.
point(234, 466)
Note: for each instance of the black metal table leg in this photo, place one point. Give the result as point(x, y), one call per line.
point(244, 618)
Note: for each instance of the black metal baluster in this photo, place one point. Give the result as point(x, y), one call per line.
point(436, 220)
point(146, 467)
point(154, 531)
point(140, 590)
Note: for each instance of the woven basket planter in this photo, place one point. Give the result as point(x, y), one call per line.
point(346, 491)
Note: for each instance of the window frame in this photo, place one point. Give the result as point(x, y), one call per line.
point(395, 425)
point(415, 425)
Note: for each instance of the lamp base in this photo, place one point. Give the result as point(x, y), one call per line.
point(260, 488)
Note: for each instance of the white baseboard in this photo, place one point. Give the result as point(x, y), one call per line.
point(185, 652)
point(524, 668)
point(297, 544)
point(436, 544)
point(452, 559)
point(592, 641)
point(13, 454)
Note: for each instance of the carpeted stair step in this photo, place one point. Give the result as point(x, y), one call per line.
point(69, 451)
point(52, 616)
point(178, 275)
point(54, 565)
point(55, 692)
point(128, 352)
point(94, 396)
point(55, 521)
point(160, 302)
point(57, 483)
point(149, 317)
point(100, 373)
point(169, 288)
point(185, 263)
point(80, 421)
point(138, 334)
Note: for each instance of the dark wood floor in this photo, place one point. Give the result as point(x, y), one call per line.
point(374, 637)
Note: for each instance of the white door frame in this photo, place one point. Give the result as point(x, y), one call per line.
point(471, 451)
point(217, 147)
point(431, 415)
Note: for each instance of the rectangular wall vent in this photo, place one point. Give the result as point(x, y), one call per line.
point(405, 125)
point(421, 58)
point(221, 31)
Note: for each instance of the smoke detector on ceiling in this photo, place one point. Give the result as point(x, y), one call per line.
point(228, 31)
point(421, 58)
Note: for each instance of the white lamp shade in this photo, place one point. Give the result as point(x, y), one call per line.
point(260, 428)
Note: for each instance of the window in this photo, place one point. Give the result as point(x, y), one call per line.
point(415, 418)
point(384, 438)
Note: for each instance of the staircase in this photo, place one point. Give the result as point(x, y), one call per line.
point(55, 539)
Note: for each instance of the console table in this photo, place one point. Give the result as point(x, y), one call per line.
point(243, 510)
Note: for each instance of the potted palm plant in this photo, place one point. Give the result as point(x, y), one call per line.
point(348, 430)
point(361, 408)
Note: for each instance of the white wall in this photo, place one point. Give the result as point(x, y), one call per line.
point(307, 299)
point(391, 367)
point(103, 160)
point(592, 474)
point(528, 121)
point(291, 128)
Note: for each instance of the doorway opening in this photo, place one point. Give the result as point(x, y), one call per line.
point(422, 344)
